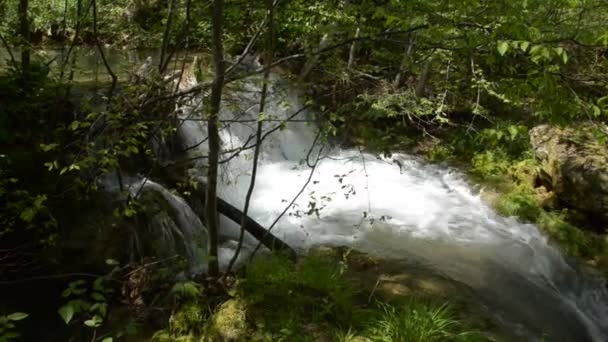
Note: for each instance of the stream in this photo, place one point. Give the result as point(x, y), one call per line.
point(400, 208)
point(394, 207)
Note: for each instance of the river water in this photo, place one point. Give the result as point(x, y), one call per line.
point(397, 207)
point(401, 208)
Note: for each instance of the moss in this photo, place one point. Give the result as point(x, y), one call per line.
point(517, 184)
point(328, 296)
point(229, 321)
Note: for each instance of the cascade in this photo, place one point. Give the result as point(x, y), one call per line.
point(180, 228)
point(399, 208)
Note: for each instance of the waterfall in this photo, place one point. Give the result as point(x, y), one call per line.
point(177, 225)
point(400, 208)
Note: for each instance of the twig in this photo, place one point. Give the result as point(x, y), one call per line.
point(371, 294)
point(253, 39)
point(8, 49)
point(312, 172)
point(102, 54)
point(258, 136)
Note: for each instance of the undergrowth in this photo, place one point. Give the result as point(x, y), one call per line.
point(312, 300)
point(501, 160)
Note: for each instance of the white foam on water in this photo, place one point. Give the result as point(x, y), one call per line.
point(401, 208)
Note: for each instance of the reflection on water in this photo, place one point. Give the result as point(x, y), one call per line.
point(89, 65)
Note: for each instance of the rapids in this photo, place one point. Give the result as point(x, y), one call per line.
point(398, 208)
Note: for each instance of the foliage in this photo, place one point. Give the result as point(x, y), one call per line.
point(417, 321)
point(475, 75)
point(277, 300)
point(29, 104)
point(8, 330)
point(323, 293)
point(89, 305)
point(186, 290)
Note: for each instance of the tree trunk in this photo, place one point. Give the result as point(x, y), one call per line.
point(24, 28)
point(424, 78)
point(353, 49)
point(312, 61)
point(255, 229)
point(405, 63)
point(214, 139)
point(162, 66)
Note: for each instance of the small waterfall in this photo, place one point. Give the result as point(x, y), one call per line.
point(179, 227)
point(398, 208)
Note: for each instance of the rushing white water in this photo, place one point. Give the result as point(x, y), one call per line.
point(401, 208)
point(177, 226)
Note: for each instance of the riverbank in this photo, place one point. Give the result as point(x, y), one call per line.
point(332, 295)
point(502, 165)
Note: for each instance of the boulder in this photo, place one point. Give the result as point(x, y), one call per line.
point(574, 165)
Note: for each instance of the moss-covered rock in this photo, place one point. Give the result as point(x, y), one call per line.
point(574, 165)
point(229, 322)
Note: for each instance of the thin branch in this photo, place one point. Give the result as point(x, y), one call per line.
point(312, 171)
point(200, 87)
point(258, 136)
point(102, 54)
point(8, 49)
point(162, 64)
point(252, 41)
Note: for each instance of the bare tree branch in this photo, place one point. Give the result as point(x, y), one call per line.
point(258, 137)
point(102, 54)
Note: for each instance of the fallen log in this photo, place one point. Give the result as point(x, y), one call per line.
point(255, 229)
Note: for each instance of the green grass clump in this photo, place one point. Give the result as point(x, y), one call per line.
point(420, 321)
point(520, 203)
point(312, 290)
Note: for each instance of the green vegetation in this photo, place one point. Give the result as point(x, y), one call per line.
point(314, 300)
point(8, 331)
point(462, 82)
point(502, 162)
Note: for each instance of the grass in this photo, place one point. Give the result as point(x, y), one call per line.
point(313, 300)
point(419, 321)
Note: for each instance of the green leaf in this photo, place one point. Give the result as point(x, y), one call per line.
point(9, 335)
point(94, 322)
point(108, 339)
point(503, 46)
point(565, 57)
point(17, 316)
point(513, 131)
point(559, 51)
point(98, 297)
point(66, 293)
point(111, 262)
point(98, 284)
point(27, 215)
point(67, 313)
point(49, 147)
point(524, 46)
point(74, 125)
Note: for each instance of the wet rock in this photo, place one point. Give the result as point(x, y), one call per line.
point(574, 165)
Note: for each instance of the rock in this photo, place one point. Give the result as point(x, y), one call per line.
point(574, 165)
point(229, 322)
point(546, 199)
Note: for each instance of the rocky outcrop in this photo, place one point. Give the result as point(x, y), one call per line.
point(574, 165)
